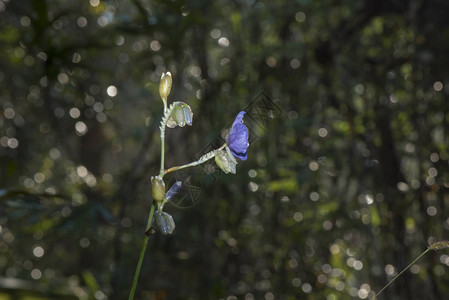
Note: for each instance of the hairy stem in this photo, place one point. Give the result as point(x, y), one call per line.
point(201, 160)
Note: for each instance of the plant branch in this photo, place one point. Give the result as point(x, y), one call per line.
point(201, 160)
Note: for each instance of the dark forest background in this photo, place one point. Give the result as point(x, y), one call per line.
point(347, 175)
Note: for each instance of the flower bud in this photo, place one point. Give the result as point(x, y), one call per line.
point(165, 85)
point(158, 188)
point(175, 188)
point(178, 116)
point(188, 114)
point(164, 222)
point(181, 115)
point(224, 162)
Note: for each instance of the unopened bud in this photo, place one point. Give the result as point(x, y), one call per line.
point(164, 222)
point(158, 188)
point(188, 114)
point(165, 85)
point(178, 116)
point(181, 115)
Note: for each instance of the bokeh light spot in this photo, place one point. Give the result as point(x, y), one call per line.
point(223, 42)
point(36, 274)
point(74, 113)
point(111, 91)
point(432, 211)
point(300, 17)
point(313, 166)
point(81, 22)
point(38, 251)
point(215, 33)
point(438, 86)
point(295, 63)
point(81, 128)
point(155, 45)
point(94, 3)
point(306, 288)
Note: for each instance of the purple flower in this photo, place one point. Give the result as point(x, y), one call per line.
point(237, 139)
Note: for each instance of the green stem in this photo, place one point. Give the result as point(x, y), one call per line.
point(142, 254)
point(406, 268)
point(165, 104)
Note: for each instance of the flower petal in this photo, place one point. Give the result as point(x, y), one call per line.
point(239, 118)
point(237, 139)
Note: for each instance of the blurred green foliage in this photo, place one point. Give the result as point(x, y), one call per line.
point(346, 179)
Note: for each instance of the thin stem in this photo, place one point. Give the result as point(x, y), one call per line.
point(142, 254)
point(406, 268)
point(161, 172)
point(201, 160)
point(192, 164)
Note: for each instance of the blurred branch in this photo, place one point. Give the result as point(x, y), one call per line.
point(6, 194)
